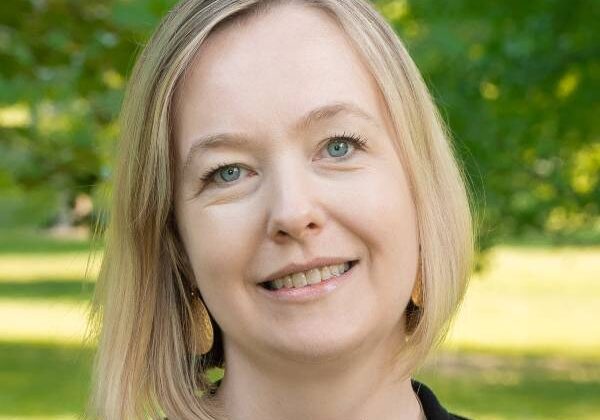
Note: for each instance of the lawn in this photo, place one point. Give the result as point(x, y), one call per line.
point(524, 344)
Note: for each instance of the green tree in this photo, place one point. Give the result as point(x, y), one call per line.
point(518, 84)
point(63, 65)
point(515, 80)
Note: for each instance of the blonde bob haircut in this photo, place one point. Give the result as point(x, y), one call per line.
point(141, 313)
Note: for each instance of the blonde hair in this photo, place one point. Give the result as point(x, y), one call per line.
point(145, 365)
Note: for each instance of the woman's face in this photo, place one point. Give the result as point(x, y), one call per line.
point(290, 194)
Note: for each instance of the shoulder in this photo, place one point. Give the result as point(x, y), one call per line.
point(432, 407)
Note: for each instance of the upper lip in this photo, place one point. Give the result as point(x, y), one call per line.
point(299, 267)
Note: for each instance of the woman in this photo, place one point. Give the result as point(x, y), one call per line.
point(286, 207)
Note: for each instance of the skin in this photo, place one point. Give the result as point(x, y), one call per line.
point(295, 199)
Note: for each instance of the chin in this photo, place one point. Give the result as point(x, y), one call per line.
point(323, 348)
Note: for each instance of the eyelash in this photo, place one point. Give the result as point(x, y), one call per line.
point(356, 140)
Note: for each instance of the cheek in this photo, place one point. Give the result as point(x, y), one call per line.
point(216, 248)
point(384, 215)
point(216, 241)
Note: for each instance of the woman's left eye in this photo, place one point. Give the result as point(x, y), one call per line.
point(335, 145)
point(356, 141)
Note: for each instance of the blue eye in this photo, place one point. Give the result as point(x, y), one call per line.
point(231, 173)
point(228, 173)
point(354, 139)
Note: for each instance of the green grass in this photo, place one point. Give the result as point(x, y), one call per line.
point(583, 237)
point(43, 379)
point(525, 343)
point(69, 266)
point(32, 241)
point(76, 290)
point(34, 320)
point(533, 301)
point(494, 385)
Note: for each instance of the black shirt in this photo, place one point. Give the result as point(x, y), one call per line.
point(431, 406)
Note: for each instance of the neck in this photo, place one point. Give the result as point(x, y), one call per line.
point(333, 389)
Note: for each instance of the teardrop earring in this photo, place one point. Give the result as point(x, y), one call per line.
point(417, 293)
point(414, 310)
point(202, 330)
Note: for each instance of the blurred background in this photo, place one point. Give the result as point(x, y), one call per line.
point(517, 83)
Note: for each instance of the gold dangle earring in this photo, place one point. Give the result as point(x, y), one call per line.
point(202, 329)
point(417, 293)
point(415, 306)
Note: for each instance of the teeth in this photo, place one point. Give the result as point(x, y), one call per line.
point(335, 270)
point(313, 276)
point(299, 280)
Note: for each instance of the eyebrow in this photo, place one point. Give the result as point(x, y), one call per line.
point(232, 140)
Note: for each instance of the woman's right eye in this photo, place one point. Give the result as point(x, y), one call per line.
point(233, 170)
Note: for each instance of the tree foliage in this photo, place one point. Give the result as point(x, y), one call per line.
point(516, 81)
point(518, 84)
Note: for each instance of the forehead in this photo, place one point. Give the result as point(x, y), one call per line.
point(266, 73)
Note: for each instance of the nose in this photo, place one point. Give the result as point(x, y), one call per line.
point(295, 207)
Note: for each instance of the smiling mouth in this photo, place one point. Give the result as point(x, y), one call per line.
point(299, 280)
